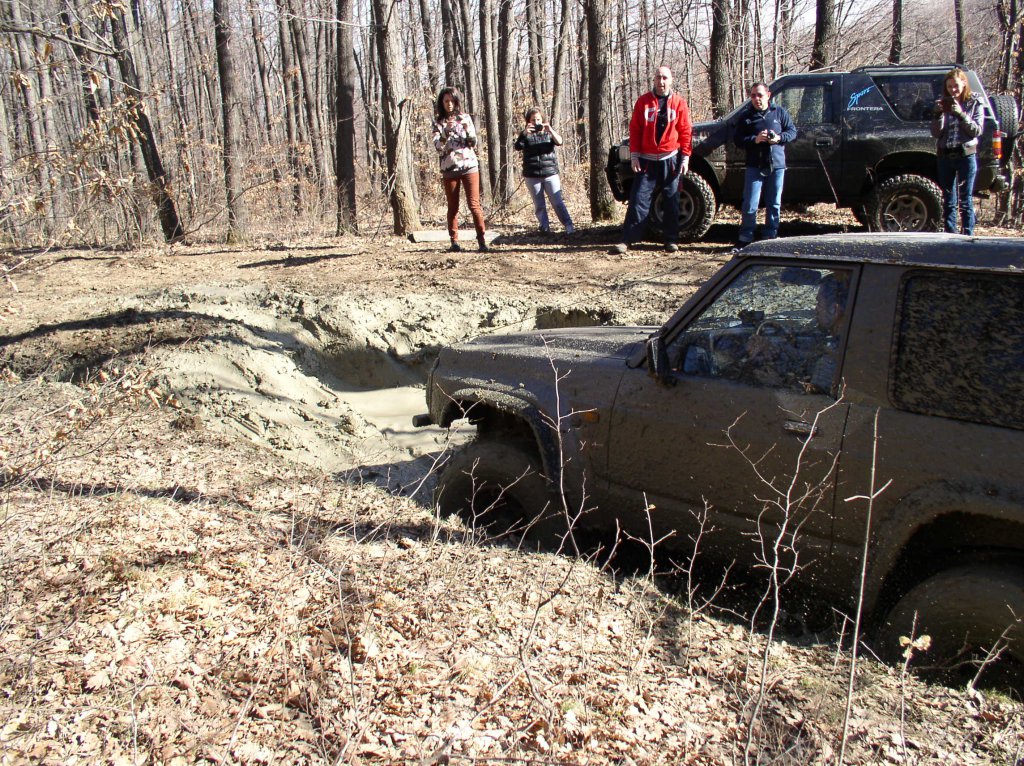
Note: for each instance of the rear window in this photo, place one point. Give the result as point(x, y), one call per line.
point(912, 97)
point(960, 348)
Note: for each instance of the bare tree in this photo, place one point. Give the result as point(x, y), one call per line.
point(896, 47)
point(538, 51)
point(396, 109)
point(345, 132)
point(238, 214)
point(489, 105)
point(167, 210)
point(33, 113)
point(718, 69)
point(560, 82)
point(824, 34)
point(427, 23)
point(602, 205)
point(958, 15)
point(451, 35)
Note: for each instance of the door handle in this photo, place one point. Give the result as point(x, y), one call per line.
point(800, 428)
point(823, 142)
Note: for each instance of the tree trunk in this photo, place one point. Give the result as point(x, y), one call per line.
point(309, 101)
point(166, 209)
point(451, 35)
point(264, 74)
point(719, 57)
point(396, 108)
point(538, 54)
point(896, 46)
point(426, 21)
point(602, 204)
point(473, 91)
point(231, 117)
point(345, 135)
point(560, 79)
point(489, 105)
point(958, 16)
point(33, 115)
point(824, 34)
point(1007, 13)
point(506, 71)
point(291, 117)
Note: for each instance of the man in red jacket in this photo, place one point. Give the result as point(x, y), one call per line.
point(660, 134)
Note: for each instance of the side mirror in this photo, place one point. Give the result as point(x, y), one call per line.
point(657, 361)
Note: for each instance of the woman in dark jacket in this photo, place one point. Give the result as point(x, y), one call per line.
point(540, 168)
point(959, 120)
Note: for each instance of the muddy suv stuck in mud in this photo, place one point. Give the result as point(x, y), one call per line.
point(863, 142)
point(808, 374)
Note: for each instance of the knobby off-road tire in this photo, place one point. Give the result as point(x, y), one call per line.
point(697, 208)
point(1008, 116)
point(905, 203)
point(497, 488)
point(965, 610)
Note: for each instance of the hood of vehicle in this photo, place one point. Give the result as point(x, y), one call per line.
point(607, 342)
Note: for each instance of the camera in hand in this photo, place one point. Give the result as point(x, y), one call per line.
point(772, 135)
point(947, 103)
point(536, 127)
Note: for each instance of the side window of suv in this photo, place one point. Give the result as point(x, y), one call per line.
point(773, 326)
point(959, 348)
point(809, 104)
point(912, 97)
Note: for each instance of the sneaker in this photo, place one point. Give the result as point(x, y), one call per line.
point(482, 245)
point(570, 229)
point(455, 247)
point(618, 249)
point(545, 232)
point(671, 247)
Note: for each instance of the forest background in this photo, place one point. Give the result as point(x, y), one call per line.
point(123, 121)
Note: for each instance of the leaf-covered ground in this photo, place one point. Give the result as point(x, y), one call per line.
point(172, 593)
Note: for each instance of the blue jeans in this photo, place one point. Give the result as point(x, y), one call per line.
point(756, 186)
point(653, 175)
point(552, 185)
point(956, 179)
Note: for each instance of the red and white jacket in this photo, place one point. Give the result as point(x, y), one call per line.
point(678, 134)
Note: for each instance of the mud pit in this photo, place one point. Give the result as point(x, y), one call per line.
point(320, 351)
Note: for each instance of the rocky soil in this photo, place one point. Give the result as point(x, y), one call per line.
point(219, 545)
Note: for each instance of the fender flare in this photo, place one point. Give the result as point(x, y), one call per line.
point(462, 401)
point(927, 507)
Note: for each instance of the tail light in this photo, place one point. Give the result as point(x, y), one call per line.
point(997, 144)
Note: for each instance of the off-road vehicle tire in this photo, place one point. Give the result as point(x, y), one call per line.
point(1005, 108)
point(905, 203)
point(965, 611)
point(697, 208)
point(494, 487)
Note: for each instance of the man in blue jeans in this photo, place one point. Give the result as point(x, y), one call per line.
point(660, 142)
point(762, 130)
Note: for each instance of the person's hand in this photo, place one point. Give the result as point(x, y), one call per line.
point(635, 164)
point(762, 137)
point(684, 164)
point(956, 109)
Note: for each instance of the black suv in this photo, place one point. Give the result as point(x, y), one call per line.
point(863, 142)
point(808, 373)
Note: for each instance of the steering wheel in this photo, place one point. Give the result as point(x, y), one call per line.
point(771, 327)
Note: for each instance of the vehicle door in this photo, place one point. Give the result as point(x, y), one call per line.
point(752, 425)
point(813, 159)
